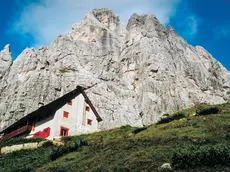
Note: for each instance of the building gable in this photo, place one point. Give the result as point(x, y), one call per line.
point(50, 109)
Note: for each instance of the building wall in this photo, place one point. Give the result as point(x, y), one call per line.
point(81, 126)
point(43, 124)
point(76, 121)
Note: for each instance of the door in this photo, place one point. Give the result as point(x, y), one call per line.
point(64, 132)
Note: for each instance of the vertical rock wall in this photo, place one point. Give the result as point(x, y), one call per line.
point(134, 73)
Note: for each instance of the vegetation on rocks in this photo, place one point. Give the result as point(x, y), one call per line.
point(194, 143)
point(168, 118)
point(208, 111)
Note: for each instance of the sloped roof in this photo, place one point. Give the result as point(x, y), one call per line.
point(55, 105)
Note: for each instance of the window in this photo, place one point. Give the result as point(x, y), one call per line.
point(87, 108)
point(64, 131)
point(70, 103)
point(65, 114)
point(89, 121)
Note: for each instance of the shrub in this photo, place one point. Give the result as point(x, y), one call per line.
point(121, 168)
point(116, 168)
point(125, 127)
point(75, 139)
point(164, 120)
point(71, 144)
point(99, 169)
point(59, 169)
point(175, 116)
point(138, 130)
point(47, 144)
point(178, 116)
point(57, 152)
point(227, 136)
point(26, 169)
point(195, 156)
point(208, 111)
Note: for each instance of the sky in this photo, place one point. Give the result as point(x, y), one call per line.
point(36, 23)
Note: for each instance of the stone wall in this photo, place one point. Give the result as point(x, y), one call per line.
point(25, 146)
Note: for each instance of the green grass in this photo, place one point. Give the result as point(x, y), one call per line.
point(30, 160)
point(132, 149)
point(25, 160)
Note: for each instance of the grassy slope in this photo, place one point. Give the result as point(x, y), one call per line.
point(23, 161)
point(119, 150)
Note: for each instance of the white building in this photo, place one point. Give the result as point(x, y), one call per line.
point(69, 115)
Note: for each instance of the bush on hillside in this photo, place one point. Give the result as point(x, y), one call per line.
point(122, 168)
point(197, 156)
point(99, 169)
point(125, 127)
point(116, 168)
point(71, 144)
point(138, 130)
point(74, 139)
point(25, 169)
point(175, 116)
point(60, 169)
point(227, 136)
point(47, 144)
point(208, 111)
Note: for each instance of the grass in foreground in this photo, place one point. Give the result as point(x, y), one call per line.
point(131, 149)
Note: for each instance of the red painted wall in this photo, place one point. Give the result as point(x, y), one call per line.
point(42, 134)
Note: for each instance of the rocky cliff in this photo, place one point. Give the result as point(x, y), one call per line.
point(134, 73)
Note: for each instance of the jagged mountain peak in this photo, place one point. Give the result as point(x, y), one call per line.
point(142, 20)
point(106, 17)
point(5, 60)
point(7, 48)
point(6, 53)
point(135, 73)
point(103, 17)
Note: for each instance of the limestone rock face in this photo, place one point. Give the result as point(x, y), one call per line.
point(5, 60)
point(134, 73)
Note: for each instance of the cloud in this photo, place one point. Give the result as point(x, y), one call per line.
point(192, 25)
point(187, 24)
point(222, 32)
point(44, 20)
